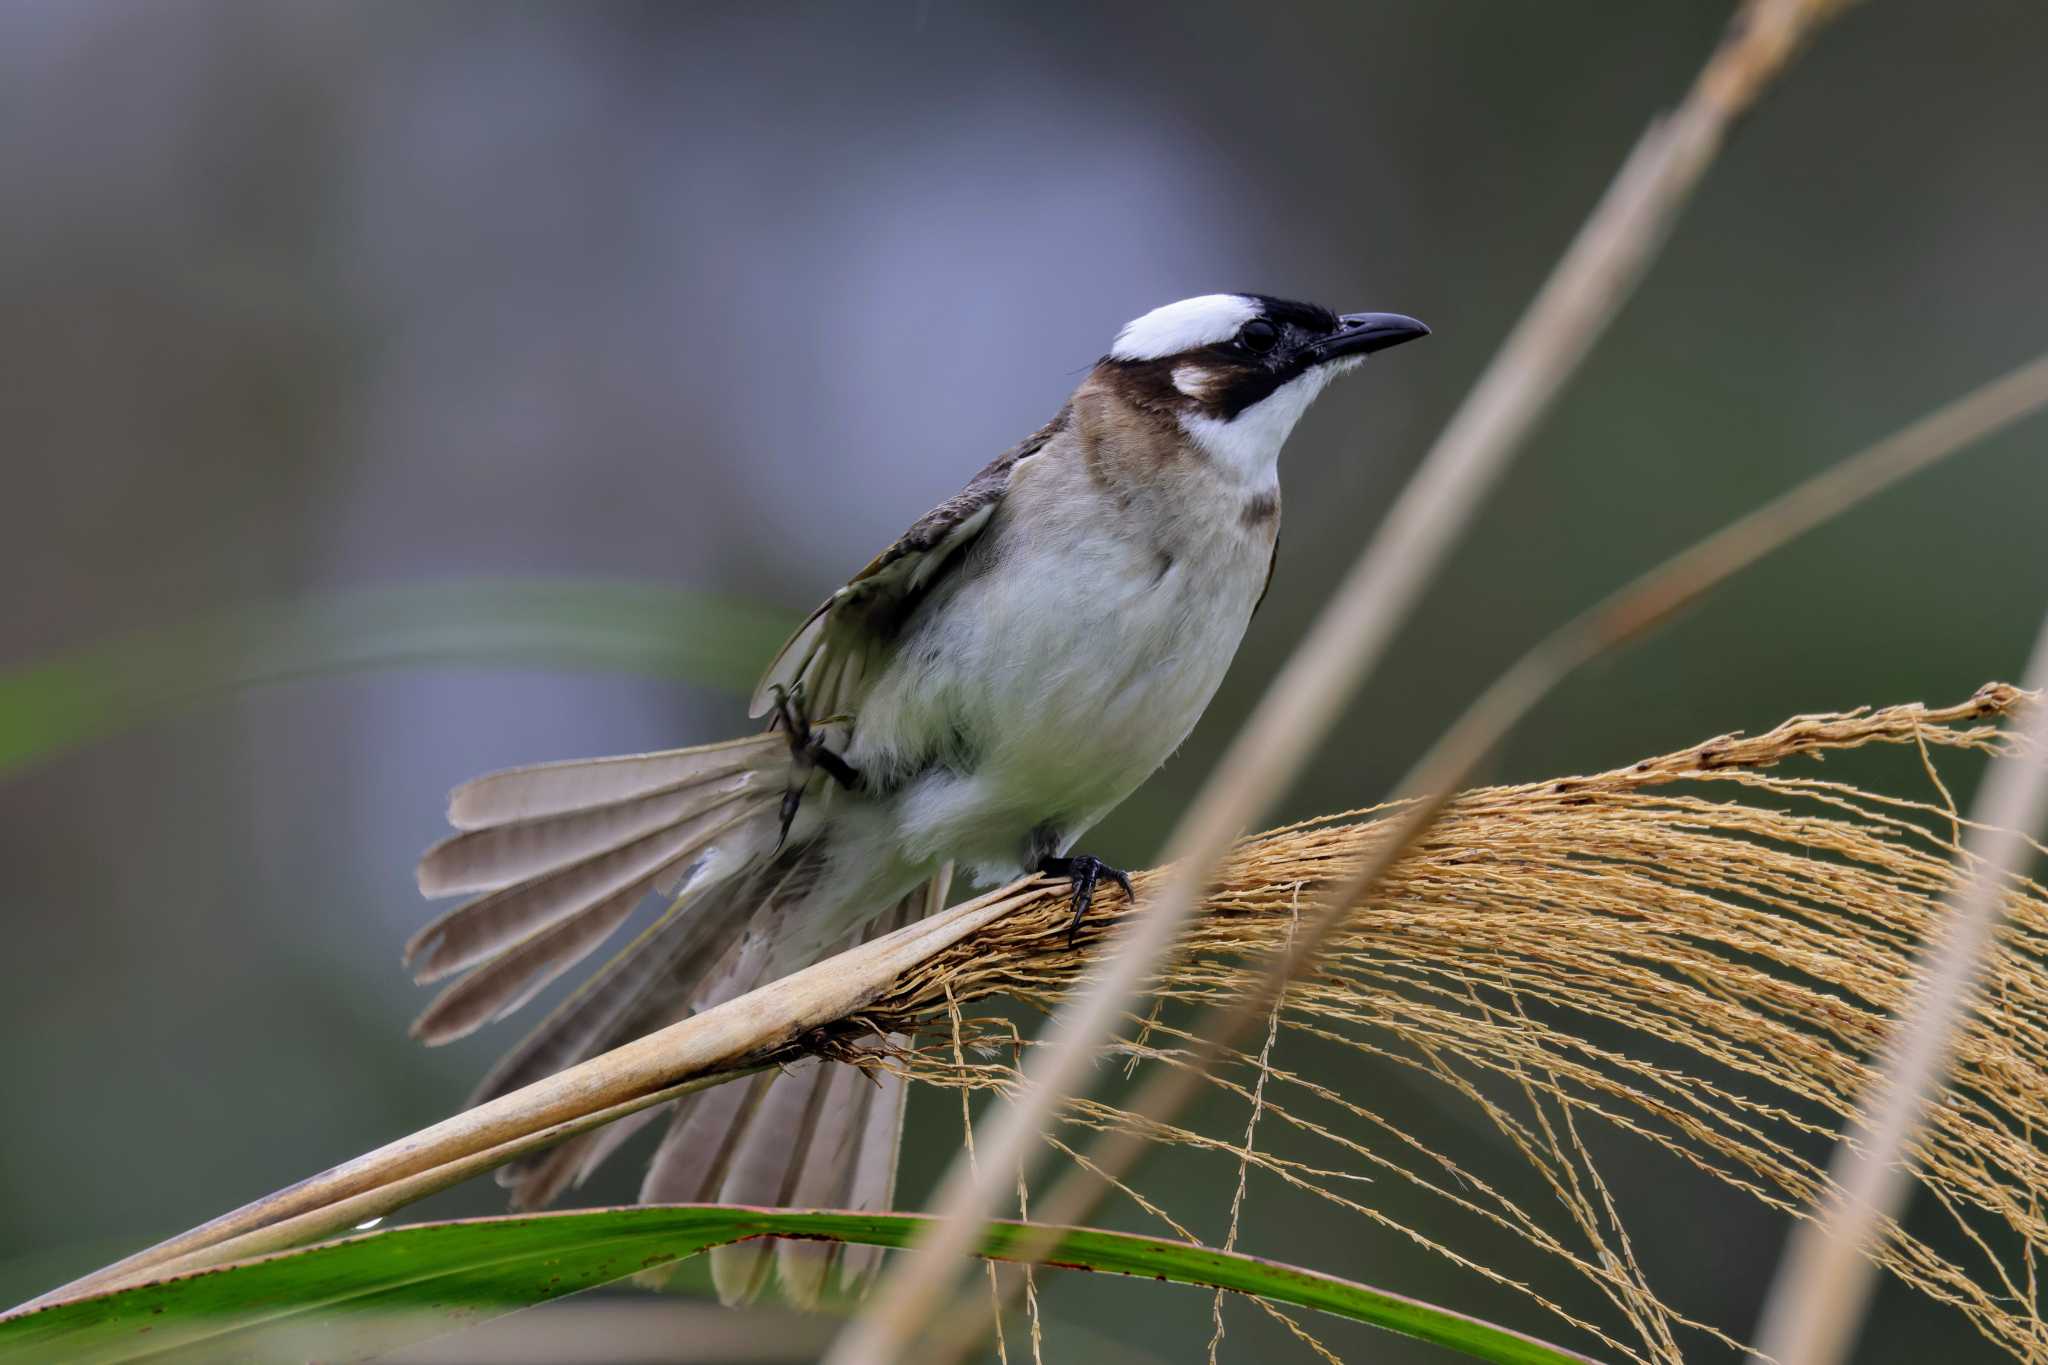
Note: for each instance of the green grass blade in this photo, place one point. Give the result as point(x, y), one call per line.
point(375, 1291)
point(55, 703)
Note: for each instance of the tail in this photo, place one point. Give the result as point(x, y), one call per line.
point(562, 854)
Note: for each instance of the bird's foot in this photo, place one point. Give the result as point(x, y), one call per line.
point(808, 754)
point(1082, 872)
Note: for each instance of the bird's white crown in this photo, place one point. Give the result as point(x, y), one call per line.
point(1183, 326)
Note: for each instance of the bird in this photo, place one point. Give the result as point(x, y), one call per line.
point(979, 696)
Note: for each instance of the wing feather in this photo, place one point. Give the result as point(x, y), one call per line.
point(831, 652)
point(517, 974)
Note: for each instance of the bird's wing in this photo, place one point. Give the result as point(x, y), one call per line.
point(833, 654)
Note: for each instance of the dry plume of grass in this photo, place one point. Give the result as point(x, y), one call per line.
point(1541, 954)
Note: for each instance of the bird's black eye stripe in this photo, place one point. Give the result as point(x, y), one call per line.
point(1258, 336)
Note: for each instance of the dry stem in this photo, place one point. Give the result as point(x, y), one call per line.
point(1823, 1286)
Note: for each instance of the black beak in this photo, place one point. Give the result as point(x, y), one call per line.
point(1364, 333)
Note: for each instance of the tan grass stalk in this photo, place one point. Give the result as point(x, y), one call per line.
point(716, 1045)
point(1584, 292)
point(1823, 1285)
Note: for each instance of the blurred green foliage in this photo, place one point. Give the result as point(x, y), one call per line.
point(661, 632)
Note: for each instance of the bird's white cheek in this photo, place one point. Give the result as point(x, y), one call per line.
point(1249, 444)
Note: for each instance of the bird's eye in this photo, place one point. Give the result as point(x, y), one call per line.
point(1259, 336)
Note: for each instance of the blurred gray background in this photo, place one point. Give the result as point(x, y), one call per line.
point(298, 296)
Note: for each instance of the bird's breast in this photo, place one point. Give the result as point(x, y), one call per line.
point(1065, 666)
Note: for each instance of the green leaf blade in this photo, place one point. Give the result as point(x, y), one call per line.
point(371, 1292)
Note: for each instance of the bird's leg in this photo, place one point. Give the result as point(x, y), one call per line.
point(808, 754)
point(1082, 872)
point(806, 744)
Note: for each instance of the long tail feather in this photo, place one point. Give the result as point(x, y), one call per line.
point(872, 1186)
point(475, 930)
point(545, 789)
point(498, 856)
point(823, 1135)
point(824, 1180)
point(766, 1168)
point(650, 984)
point(558, 882)
point(570, 1163)
point(515, 976)
point(691, 1164)
point(562, 854)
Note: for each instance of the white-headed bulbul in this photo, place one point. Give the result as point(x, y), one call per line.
point(982, 693)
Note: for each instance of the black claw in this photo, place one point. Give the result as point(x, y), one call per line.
point(791, 799)
point(808, 753)
point(835, 767)
point(788, 716)
point(1083, 871)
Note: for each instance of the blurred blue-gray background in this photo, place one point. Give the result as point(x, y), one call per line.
point(306, 296)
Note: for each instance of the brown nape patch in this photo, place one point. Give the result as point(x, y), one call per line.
point(1261, 508)
point(1217, 385)
point(1146, 385)
point(1126, 432)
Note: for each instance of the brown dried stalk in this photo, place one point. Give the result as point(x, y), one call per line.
point(1584, 292)
point(719, 1044)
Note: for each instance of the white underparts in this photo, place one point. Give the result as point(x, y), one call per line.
point(1184, 326)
